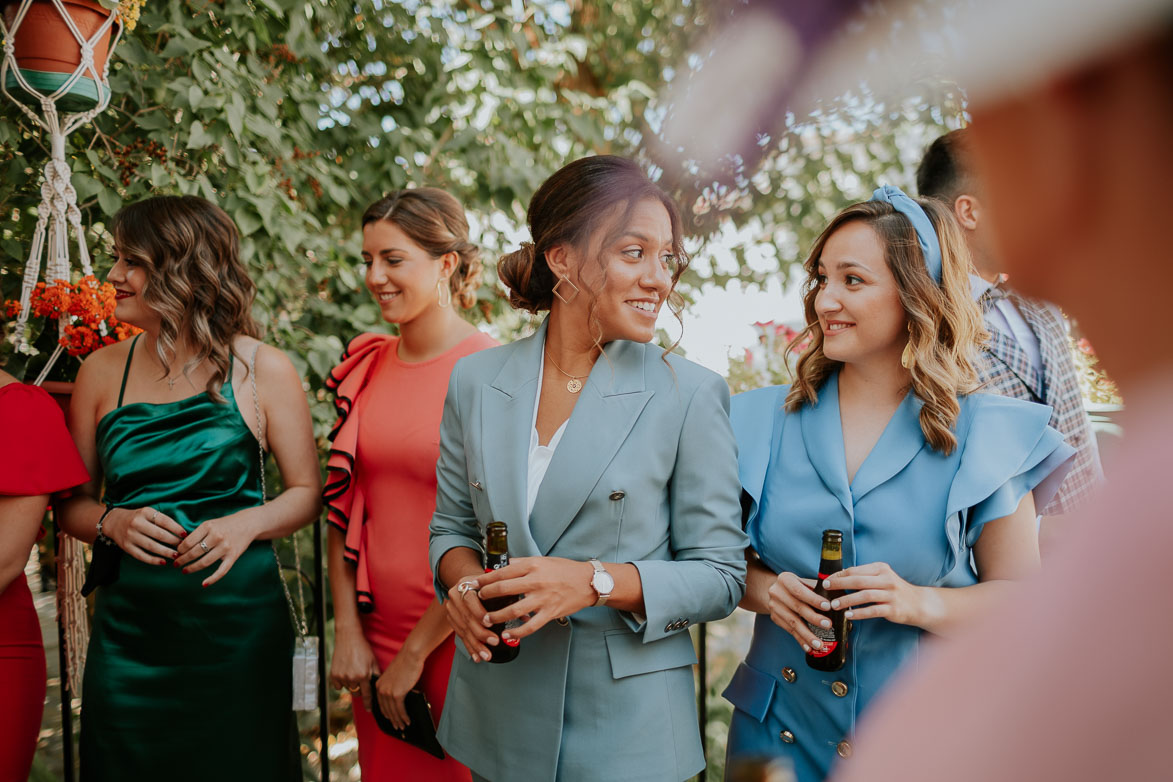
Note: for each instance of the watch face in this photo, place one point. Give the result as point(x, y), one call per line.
point(603, 583)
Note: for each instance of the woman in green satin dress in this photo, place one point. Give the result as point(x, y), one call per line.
point(188, 675)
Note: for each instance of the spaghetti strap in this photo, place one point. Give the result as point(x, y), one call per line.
point(126, 369)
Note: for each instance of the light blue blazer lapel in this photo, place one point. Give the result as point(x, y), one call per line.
point(900, 442)
point(822, 436)
point(607, 409)
point(507, 414)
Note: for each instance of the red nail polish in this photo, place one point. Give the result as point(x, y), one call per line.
point(185, 571)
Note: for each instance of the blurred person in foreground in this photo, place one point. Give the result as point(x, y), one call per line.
point(1029, 354)
point(880, 436)
point(1070, 682)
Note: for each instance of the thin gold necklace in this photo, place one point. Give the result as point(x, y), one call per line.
point(574, 384)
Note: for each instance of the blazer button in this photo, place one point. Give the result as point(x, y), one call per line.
point(838, 689)
point(683, 623)
point(669, 627)
point(562, 621)
point(844, 749)
point(618, 495)
point(789, 674)
point(787, 737)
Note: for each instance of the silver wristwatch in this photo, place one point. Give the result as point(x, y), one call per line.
point(602, 582)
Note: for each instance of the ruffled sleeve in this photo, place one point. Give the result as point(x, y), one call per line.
point(39, 457)
point(1008, 450)
point(754, 415)
point(345, 503)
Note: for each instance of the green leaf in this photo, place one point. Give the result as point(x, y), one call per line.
point(155, 120)
point(109, 200)
point(85, 185)
point(160, 178)
point(236, 115)
point(182, 47)
point(198, 138)
point(247, 222)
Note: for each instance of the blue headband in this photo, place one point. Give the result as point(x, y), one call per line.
point(926, 236)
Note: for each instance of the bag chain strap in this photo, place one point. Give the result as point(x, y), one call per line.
point(296, 615)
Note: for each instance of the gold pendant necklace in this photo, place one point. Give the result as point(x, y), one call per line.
point(574, 384)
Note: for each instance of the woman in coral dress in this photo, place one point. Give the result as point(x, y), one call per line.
point(381, 489)
point(40, 459)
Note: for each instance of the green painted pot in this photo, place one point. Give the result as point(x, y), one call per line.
point(82, 96)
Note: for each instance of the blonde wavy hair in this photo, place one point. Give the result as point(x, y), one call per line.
point(945, 324)
point(196, 282)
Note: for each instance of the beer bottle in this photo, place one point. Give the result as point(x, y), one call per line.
point(497, 557)
point(834, 652)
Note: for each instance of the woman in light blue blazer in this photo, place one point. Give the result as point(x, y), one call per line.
point(614, 466)
point(933, 487)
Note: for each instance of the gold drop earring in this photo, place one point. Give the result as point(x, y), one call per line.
point(907, 359)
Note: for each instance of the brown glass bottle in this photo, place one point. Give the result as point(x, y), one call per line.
point(497, 557)
point(833, 655)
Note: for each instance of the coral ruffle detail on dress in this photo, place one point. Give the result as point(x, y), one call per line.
point(345, 503)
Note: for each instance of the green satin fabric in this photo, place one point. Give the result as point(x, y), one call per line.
point(182, 682)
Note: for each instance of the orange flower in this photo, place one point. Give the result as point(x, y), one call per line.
point(89, 307)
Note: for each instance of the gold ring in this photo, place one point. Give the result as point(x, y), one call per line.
point(352, 687)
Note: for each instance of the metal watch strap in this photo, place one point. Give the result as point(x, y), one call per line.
point(598, 566)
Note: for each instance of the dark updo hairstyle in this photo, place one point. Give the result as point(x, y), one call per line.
point(435, 220)
point(196, 281)
point(569, 209)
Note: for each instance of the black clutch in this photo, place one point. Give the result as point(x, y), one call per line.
point(105, 562)
point(421, 732)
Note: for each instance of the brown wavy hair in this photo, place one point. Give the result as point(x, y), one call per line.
point(196, 282)
point(945, 324)
point(571, 208)
point(435, 220)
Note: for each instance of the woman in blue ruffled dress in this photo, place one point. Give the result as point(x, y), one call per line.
point(880, 436)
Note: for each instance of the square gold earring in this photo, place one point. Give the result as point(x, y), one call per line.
point(564, 280)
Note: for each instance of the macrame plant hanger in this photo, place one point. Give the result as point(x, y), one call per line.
point(57, 215)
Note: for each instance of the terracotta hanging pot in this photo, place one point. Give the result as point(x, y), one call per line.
point(48, 53)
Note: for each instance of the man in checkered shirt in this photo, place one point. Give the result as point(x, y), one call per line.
point(1029, 352)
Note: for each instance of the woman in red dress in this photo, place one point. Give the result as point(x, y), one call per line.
point(39, 459)
point(381, 489)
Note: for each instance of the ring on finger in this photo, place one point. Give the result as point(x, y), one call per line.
point(464, 587)
point(204, 545)
point(154, 516)
point(352, 687)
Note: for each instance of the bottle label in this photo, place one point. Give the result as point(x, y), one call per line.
point(827, 636)
point(824, 634)
point(512, 623)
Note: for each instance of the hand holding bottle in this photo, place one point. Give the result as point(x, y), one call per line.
point(794, 606)
point(878, 592)
point(552, 587)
